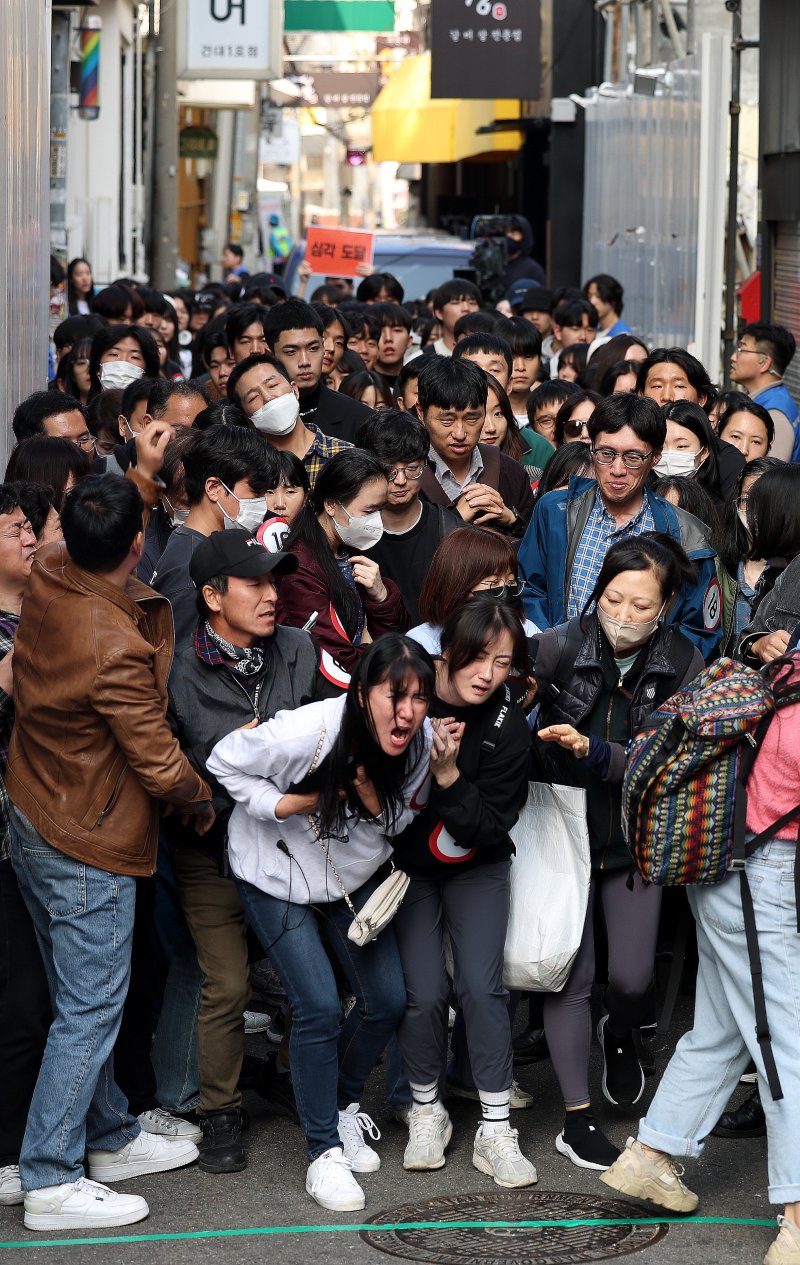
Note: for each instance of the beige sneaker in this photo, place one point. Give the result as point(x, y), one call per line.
point(652, 1178)
point(786, 1248)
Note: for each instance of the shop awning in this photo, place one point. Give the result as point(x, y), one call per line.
point(409, 127)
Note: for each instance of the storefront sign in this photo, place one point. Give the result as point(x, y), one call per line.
point(230, 39)
point(485, 49)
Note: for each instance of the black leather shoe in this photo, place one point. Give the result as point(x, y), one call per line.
point(530, 1046)
point(221, 1150)
point(747, 1121)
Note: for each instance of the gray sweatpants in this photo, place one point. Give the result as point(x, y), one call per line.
point(473, 907)
point(631, 918)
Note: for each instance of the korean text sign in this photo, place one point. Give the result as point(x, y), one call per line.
point(338, 252)
point(485, 49)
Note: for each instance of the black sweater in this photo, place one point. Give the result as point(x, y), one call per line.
point(467, 824)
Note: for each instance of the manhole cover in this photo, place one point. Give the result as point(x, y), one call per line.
point(512, 1245)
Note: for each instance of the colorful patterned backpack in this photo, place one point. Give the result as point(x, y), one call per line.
point(684, 796)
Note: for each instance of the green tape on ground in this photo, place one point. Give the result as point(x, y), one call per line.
point(271, 1230)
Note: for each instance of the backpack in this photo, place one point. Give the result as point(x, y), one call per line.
point(684, 795)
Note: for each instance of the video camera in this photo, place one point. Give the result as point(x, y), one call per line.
point(490, 256)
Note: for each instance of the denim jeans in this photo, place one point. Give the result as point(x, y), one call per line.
point(175, 1044)
point(83, 919)
point(330, 1060)
point(708, 1061)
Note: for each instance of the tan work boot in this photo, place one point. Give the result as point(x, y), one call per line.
point(653, 1178)
point(786, 1248)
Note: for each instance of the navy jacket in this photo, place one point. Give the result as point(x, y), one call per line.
point(547, 555)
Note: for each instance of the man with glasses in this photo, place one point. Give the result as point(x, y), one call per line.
point(572, 530)
point(758, 364)
point(412, 528)
point(54, 415)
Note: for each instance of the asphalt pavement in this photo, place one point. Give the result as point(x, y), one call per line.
point(730, 1179)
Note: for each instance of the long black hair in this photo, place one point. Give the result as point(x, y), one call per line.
point(656, 552)
point(695, 419)
point(397, 660)
point(479, 621)
point(773, 514)
point(341, 479)
point(734, 544)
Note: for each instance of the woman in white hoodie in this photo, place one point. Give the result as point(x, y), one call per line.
point(319, 792)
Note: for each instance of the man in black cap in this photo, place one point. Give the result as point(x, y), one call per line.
point(536, 305)
point(239, 671)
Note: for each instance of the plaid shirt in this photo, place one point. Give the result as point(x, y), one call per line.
point(8, 627)
point(321, 451)
point(599, 534)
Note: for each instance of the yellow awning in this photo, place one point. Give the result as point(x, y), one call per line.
point(409, 127)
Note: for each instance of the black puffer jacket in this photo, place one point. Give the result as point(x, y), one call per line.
point(580, 685)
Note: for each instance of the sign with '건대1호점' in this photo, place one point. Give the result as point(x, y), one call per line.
point(338, 252)
point(229, 39)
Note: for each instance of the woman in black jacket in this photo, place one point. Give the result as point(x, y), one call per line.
point(599, 677)
point(458, 854)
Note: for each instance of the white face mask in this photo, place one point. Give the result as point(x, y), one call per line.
point(623, 637)
point(676, 461)
point(252, 512)
point(278, 416)
point(118, 374)
point(176, 515)
point(360, 533)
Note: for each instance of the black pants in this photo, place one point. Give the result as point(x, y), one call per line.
point(473, 907)
point(25, 1013)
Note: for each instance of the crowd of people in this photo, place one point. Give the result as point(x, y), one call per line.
point(298, 593)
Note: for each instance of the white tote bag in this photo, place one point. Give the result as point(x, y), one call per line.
point(550, 877)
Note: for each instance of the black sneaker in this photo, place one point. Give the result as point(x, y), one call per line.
point(623, 1078)
point(644, 1040)
point(221, 1150)
point(583, 1143)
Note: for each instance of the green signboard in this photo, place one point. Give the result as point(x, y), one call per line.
point(339, 15)
point(197, 142)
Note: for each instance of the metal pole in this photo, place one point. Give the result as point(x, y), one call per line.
point(655, 32)
point(165, 166)
point(59, 119)
point(732, 228)
point(691, 27)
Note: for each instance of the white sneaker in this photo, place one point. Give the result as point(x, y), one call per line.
point(10, 1188)
point(331, 1183)
point(429, 1132)
point(148, 1153)
point(520, 1098)
point(498, 1155)
point(168, 1126)
point(353, 1124)
point(81, 1205)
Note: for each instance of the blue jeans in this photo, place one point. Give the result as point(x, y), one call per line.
point(708, 1061)
point(83, 918)
point(330, 1060)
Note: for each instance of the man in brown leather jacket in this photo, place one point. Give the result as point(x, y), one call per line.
point(90, 757)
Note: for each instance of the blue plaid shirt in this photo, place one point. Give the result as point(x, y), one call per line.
point(599, 534)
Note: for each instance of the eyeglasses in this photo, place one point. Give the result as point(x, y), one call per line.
point(630, 460)
point(414, 471)
point(86, 442)
point(81, 363)
point(574, 427)
point(501, 591)
point(752, 350)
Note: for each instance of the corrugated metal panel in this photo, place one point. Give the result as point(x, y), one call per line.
point(641, 203)
point(786, 292)
point(24, 272)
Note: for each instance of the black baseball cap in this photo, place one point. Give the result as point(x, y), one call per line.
point(534, 299)
point(236, 553)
